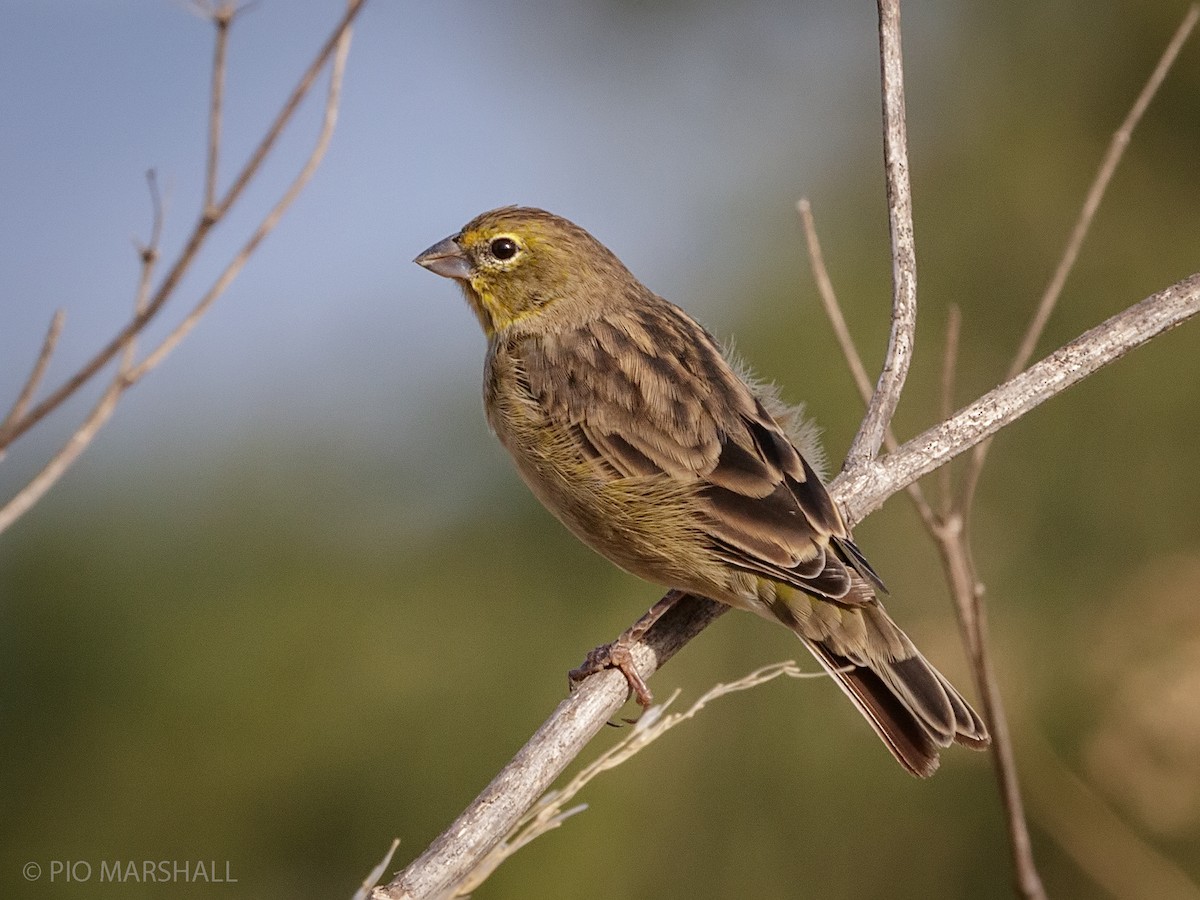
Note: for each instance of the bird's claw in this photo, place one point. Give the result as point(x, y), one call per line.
point(616, 655)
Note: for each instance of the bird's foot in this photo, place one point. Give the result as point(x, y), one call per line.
point(617, 655)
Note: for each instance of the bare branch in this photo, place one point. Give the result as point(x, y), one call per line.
point(269, 221)
point(58, 464)
point(1116, 149)
point(550, 810)
point(904, 258)
point(829, 301)
point(867, 487)
point(191, 247)
point(560, 739)
point(858, 492)
point(955, 551)
point(289, 107)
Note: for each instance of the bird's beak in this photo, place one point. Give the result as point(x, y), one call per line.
point(447, 259)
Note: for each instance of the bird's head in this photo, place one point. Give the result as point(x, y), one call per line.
point(514, 263)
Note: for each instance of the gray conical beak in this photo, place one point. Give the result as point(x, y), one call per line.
point(447, 259)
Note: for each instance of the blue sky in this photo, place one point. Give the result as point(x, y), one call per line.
point(655, 131)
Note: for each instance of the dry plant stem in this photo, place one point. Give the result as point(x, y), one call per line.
point(904, 259)
point(833, 309)
point(1116, 149)
point(955, 551)
point(376, 873)
point(517, 787)
point(953, 537)
point(551, 809)
point(949, 377)
point(581, 715)
point(193, 244)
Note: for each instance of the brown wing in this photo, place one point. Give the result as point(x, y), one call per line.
point(648, 392)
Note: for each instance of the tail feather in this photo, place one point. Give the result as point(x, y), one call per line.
point(909, 703)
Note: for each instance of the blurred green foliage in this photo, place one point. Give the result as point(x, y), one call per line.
point(291, 657)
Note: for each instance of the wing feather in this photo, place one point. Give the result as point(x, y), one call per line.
point(675, 409)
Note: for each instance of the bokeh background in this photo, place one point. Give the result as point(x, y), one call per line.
point(294, 602)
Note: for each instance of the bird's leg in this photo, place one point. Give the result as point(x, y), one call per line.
point(618, 655)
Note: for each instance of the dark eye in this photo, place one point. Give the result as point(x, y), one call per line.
point(503, 248)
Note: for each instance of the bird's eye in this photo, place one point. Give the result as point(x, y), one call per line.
point(503, 248)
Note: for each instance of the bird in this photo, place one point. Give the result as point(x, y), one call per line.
point(628, 421)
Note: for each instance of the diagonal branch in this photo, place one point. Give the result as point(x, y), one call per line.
point(866, 488)
point(129, 372)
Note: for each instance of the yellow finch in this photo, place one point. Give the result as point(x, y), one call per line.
point(629, 424)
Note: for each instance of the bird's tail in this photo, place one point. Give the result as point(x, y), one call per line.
point(909, 703)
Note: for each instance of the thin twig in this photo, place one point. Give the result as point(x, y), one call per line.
point(49, 342)
point(865, 488)
point(79, 440)
point(517, 786)
point(191, 247)
point(904, 258)
point(268, 223)
point(949, 378)
point(221, 17)
point(829, 301)
point(289, 107)
point(955, 551)
point(1116, 149)
point(833, 310)
point(953, 539)
point(128, 373)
